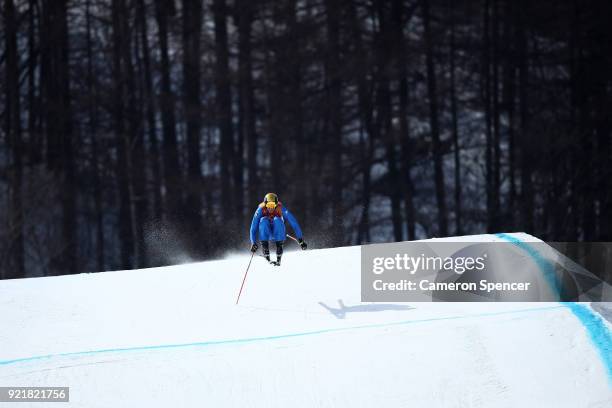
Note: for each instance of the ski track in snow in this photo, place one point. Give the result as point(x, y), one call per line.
point(173, 337)
point(268, 338)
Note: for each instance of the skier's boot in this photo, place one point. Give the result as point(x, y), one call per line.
point(279, 252)
point(265, 248)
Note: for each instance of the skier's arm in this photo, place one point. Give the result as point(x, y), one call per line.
point(294, 224)
point(255, 224)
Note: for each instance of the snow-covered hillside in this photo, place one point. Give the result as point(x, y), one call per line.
point(300, 337)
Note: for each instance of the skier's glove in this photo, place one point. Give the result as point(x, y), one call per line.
point(302, 244)
point(254, 247)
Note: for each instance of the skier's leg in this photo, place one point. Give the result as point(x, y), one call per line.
point(279, 237)
point(279, 251)
point(278, 233)
point(264, 230)
point(264, 236)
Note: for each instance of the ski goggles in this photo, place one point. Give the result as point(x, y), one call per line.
point(271, 205)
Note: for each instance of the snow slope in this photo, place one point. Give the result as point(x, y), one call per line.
point(300, 337)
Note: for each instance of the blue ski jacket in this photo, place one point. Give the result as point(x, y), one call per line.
point(281, 212)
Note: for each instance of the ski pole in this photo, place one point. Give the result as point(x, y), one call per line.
point(245, 275)
point(289, 236)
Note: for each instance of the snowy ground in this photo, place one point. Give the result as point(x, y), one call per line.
point(300, 337)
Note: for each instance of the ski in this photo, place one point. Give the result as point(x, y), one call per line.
point(271, 262)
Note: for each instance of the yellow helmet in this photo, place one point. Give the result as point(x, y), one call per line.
point(271, 200)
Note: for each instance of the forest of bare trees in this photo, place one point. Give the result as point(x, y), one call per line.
point(138, 133)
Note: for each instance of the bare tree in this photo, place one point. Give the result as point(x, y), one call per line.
point(58, 124)
point(434, 122)
point(192, 30)
point(224, 102)
point(164, 9)
point(13, 131)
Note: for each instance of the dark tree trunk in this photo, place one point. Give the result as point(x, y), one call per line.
point(192, 30)
point(496, 120)
point(527, 200)
point(224, 104)
point(384, 119)
point(34, 149)
point(486, 98)
point(302, 204)
point(509, 102)
point(122, 136)
point(279, 84)
point(574, 188)
point(172, 173)
point(366, 132)
point(400, 19)
point(246, 111)
point(455, 125)
point(602, 100)
point(55, 80)
point(333, 81)
point(238, 170)
point(134, 154)
point(13, 131)
point(92, 107)
point(434, 124)
point(276, 109)
point(149, 101)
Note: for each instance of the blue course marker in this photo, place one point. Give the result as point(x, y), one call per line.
point(596, 328)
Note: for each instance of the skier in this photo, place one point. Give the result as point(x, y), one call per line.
point(269, 220)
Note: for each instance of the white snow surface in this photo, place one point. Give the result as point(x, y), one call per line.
point(174, 337)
